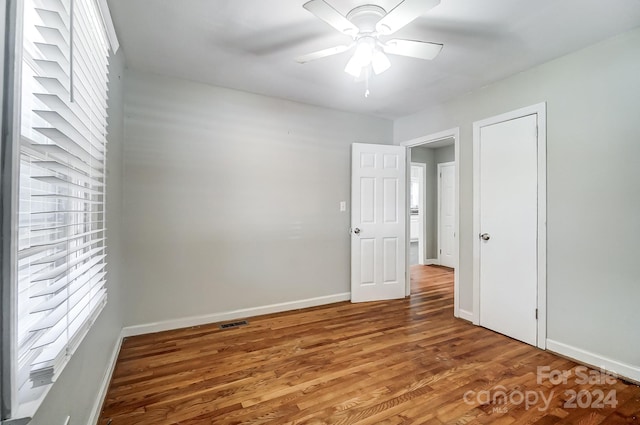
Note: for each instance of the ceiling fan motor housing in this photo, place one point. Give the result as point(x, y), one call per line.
point(365, 18)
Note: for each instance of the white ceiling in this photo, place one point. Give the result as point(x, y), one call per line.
point(251, 45)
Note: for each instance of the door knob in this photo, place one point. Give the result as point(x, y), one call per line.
point(485, 236)
point(356, 231)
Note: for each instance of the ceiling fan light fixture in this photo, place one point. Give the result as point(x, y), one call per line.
point(380, 62)
point(353, 68)
point(365, 54)
point(365, 48)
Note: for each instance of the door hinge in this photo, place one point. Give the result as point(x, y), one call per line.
point(536, 314)
point(440, 251)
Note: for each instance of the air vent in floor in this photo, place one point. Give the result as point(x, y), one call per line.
point(234, 324)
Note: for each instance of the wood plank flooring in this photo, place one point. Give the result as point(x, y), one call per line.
point(395, 362)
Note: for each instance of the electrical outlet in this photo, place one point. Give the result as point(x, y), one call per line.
point(343, 206)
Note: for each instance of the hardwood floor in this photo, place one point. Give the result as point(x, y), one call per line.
point(394, 362)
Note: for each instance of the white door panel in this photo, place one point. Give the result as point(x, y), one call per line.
point(446, 214)
point(417, 225)
point(378, 222)
point(508, 219)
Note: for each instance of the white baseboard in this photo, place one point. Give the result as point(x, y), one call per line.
point(187, 322)
point(104, 384)
point(624, 370)
point(466, 315)
point(432, 262)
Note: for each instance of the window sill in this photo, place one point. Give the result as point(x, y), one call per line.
point(32, 398)
point(20, 421)
point(27, 409)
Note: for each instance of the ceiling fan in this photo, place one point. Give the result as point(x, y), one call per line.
point(368, 26)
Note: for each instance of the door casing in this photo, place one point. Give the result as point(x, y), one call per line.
point(540, 111)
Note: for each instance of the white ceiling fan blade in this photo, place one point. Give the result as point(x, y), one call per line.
point(402, 14)
point(323, 53)
point(411, 48)
point(327, 13)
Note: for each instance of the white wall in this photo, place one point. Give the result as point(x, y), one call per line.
point(425, 155)
point(444, 154)
point(232, 199)
point(77, 388)
point(593, 102)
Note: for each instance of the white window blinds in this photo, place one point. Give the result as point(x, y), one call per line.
point(61, 243)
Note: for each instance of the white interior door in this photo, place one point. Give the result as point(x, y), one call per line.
point(508, 227)
point(378, 222)
point(417, 227)
point(447, 214)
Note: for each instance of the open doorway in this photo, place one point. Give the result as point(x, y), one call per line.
point(433, 207)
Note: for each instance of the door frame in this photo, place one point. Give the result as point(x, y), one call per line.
point(540, 110)
point(439, 204)
point(426, 140)
point(422, 229)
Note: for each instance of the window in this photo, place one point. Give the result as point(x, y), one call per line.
point(60, 258)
